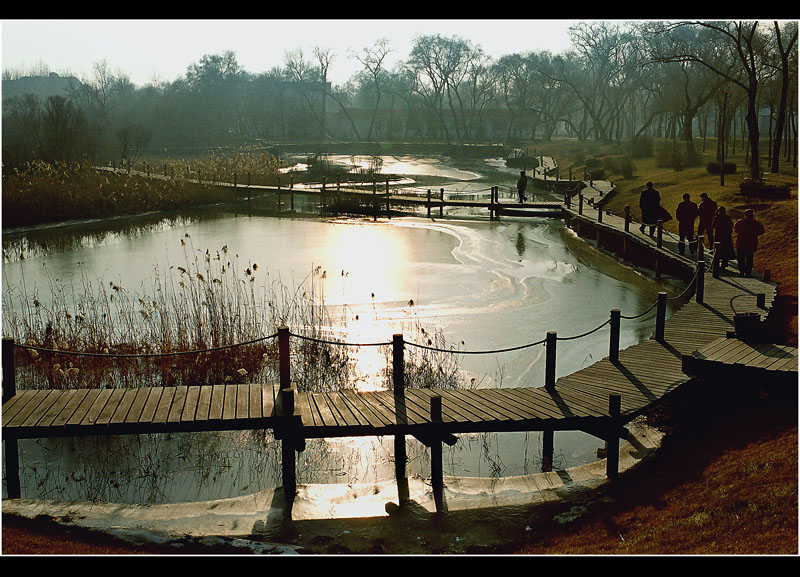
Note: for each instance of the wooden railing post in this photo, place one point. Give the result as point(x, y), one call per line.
point(550, 361)
point(612, 458)
point(388, 207)
point(398, 385)
point(599, 213)
point(661, 315)
point(429, 203)
point(437, 470)
point(700, 290)
point(374, 201)
point(715, 262)
point(627, 218)
point(613, 345)
point(491, 204)
point(9, 374)
point(9, 440)
point(441, 198)
point(284, 357)
point(580, 204)
point(547, 450)
point(279, 193)
point(660, 233)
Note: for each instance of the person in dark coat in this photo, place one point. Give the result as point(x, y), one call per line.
point(521, 184)
point(707, 211)
point(686, 213)
point(723, 231)
point(650, 205)
point(747, 231)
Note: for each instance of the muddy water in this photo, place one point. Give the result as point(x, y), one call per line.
point(483, 285)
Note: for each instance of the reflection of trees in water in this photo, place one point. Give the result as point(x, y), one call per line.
point(45, 240)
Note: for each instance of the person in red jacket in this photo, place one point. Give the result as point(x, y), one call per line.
point(686, 213)
point(747, 231)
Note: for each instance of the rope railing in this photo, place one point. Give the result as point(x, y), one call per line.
point(144, 355)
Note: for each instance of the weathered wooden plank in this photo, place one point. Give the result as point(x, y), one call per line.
point(41, 409)
point(137, 406)
point(376, 407)
point(176, 407)
point(242, 401)
point(255, 401)
point(301, 402)
point(511, 405)
point(190, 405)
point(104, 418)
point(12, 406)
point(55, 409)
point(150, 406)
point(97, 407)
point(229, 402)
point(125, 404)
point(327, 416)
point(164, 404)
point(203, 403)
point(268, 396)
point(363, 410)
point(32, 400)
point(217, 398)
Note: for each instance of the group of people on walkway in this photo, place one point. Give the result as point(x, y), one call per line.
point(714, 225)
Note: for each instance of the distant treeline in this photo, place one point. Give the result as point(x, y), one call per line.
point(618, 81)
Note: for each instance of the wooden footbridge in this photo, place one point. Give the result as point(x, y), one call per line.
point(714, 332)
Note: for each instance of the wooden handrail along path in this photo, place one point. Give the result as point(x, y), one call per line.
point(708, 333)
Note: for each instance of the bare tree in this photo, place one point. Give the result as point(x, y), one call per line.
point(785, 52)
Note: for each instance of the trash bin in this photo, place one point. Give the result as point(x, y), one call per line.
point(747, 325)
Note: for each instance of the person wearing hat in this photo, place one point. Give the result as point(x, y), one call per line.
point(747, 231)
point(650, 205)
point(707, 210)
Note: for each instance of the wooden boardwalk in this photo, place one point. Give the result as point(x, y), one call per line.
point(642, 374)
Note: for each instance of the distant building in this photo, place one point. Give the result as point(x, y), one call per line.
point(42, 86)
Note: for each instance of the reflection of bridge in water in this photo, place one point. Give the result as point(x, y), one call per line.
point(715, 331)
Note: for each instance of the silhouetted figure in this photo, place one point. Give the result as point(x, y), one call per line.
point(707, 212)
point(686, 213)
point(723, 232)
point(650, 205)
point(522, 183)
point(747, 231)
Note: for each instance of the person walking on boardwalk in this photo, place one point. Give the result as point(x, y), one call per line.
point(747, 231)
point(707, 212)
point(650, 205)
point(686, 213)
point(723, 233)
point(521, 184)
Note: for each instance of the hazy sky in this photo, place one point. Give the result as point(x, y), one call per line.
point(145, 49)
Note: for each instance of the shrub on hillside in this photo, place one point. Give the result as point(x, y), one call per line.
point(641, 147)
point(621, 165)
point(761, 189)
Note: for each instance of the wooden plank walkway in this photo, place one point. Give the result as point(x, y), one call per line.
point(643, 373)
